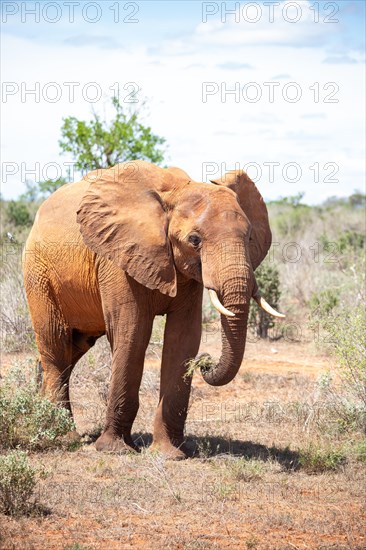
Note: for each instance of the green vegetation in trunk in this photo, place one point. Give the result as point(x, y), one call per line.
point(204, 362)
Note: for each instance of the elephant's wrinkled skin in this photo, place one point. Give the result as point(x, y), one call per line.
point(108, 253)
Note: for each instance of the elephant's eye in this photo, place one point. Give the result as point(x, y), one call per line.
point(194, 239)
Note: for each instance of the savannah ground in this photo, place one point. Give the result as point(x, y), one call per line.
point(255, 482)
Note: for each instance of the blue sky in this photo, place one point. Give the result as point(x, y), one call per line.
point(278, 90)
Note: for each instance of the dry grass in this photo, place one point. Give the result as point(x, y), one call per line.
point(16, 333)
point(247, 488)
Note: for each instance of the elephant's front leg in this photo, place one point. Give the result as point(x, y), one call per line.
point(129, 339)
point(181, 343)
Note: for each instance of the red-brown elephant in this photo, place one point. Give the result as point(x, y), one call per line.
point(110, 252)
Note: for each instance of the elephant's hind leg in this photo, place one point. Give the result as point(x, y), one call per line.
point(56, 366)
point(58, 356)
point(60, 345)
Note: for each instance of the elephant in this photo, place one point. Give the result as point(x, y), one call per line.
point(108, 253)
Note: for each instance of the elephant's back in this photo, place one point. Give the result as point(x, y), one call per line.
point(55, 239)
point(56, 217)
point(58, 267)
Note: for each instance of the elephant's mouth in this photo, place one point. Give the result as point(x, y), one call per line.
point(256, 296)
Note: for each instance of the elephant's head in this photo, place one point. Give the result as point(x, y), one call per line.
point(155, 222)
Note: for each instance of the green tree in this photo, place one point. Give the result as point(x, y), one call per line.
point(292, 200)
point(357, 200)
point(99, 144)
point(268, 280)
point(48, 187)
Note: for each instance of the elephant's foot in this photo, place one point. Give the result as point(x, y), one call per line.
point(172, 452)
point(113, 444)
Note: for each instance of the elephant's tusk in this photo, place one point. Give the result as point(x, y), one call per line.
point(269, 309)
point(218, 305)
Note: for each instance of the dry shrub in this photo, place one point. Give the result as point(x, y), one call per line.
point(15, 325)
point(17, 484)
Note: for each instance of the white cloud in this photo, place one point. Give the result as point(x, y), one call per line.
point(340, 60)
point(285, 24)
point(92, 40)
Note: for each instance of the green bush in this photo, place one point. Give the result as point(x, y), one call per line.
point(357, 200)
point(351, 240)
point(346, 331)
point(342, 331)
point(351, 416)
point(346, 243)
point(291, 218)
point(17, 483)
point(268, 280)
point(18, 213)
point(27, 419)
point(324, 302)
point(315, 460)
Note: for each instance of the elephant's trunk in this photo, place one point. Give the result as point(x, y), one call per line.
point(236, 288)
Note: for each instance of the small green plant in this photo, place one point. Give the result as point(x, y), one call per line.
point(27, 419)
point(251, 542)
point(315, 460)
point(207, 448)
point(359, 451)
point(17, 482)
point(268, 279)
point(224, 490)
point(245, 469)
point(76, 546)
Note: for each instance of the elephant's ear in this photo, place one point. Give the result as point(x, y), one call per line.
point(122, 218)
point(255, 209)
